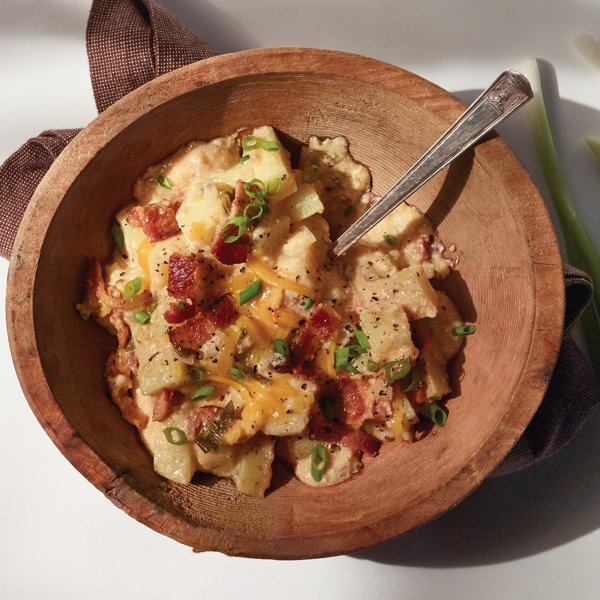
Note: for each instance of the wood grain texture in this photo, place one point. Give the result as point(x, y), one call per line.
point(508, 280)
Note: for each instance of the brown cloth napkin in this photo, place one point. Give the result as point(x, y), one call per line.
point(130, 42)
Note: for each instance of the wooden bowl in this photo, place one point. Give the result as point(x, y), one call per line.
point(508, 280)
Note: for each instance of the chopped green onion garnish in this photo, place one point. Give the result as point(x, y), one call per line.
point(174, 435)
point(308, 302)
point(142, 317)
point(244, 158)
point(396, 369)
point(250, 142)
point(437, 414)
point(362, 339)
point(327, 407)
point(416, 380)
point(318, 461)
point(273, 186)
point(164, 182)
point(132, 288)
point(255, 188)
point(203, 392)
point(250, 292)
point(344, 355)
point(197, 373)
point(230, 234)
point(372, 366)
point(180, 305)
point(310, 174)
point(390, 239)
point(212, 431)
point(281, 347)
point(269, 146)
point(118, 237)
point(237, 373)
point(464, 330)
point(254, 211)
point(351, 369)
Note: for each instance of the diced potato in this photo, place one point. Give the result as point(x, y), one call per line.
point(298, 257)
point(221, 462)
point(292, 417)
point(203, 207)
point(436, 376)
point(415, 293)
point(389, 334)
point(252, 473)
point(269, 234)
point(404, 223)
point(268, 165)
point(341, 465)
point(443, 325)
point(155, 261)
point(302, 204)
point(164, 370)
point(175, 462)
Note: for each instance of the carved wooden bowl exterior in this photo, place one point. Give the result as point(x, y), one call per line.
point(508, 281)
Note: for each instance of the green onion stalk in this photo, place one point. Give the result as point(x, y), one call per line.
point(579, 246)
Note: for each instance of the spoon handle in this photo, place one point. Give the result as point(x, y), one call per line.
point(508, 92)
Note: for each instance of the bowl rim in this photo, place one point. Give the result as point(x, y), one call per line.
point(538, 367)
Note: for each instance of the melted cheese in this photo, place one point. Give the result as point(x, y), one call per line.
point(269, 276)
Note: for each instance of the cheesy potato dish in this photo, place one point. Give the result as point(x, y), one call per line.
point(242, 339)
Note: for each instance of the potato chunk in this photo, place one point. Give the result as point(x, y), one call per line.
point(252, 473)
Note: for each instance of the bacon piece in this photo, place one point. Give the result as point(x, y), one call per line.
point(196, 418)
point(423, 248)
point(364, 397)
point(231, 254)
point(356, 440)
point(138, 301)
point(198, 330)
point(184, 277)
point(122, 329)
point(165, 403)
point(418, 396)
point(320, 327)
point(178, 312)
point(97, 301)
point(118, 378)
point(157, 221)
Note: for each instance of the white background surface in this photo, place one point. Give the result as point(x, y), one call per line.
point(531, 535)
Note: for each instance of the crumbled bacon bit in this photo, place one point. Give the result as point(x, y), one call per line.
point(418, 396)
point(165, 403)
point(320, 327)
point(353, 400)
point(122, 329)
point(423, 248)
point(364, 397)
point(178, 312)
point(157, 221)
point(231, 254)
point(198, 330)
point(184, 277)
point(356, 440)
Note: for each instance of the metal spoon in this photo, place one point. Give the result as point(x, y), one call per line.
point(508, 93)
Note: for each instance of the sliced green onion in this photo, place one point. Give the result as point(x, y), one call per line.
point(437, 414)
point(250, 142)
point(244, 158)
point(251, 291)
point(269, 146)
point(197, 373)
point(203, 392)
point(250, 188)
point(351, 369)
point(310, 174)
point(308, 303)
point(372, 366)
point(390, 239)
point(416, 380)
point(281, 347)
point(174, 435)
point(212, 431)
point(142, 317)
point(118, 237)
point(132, 288)
point(343, 356)
point(237, 373)
point(362, 339)
point(240, 223)
point(254, 211)
point(180, 305)
point(396, 369)
point(273, 186)
point(327, 407)
point(164, 182)
point(464, 330)
point(319, 457)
